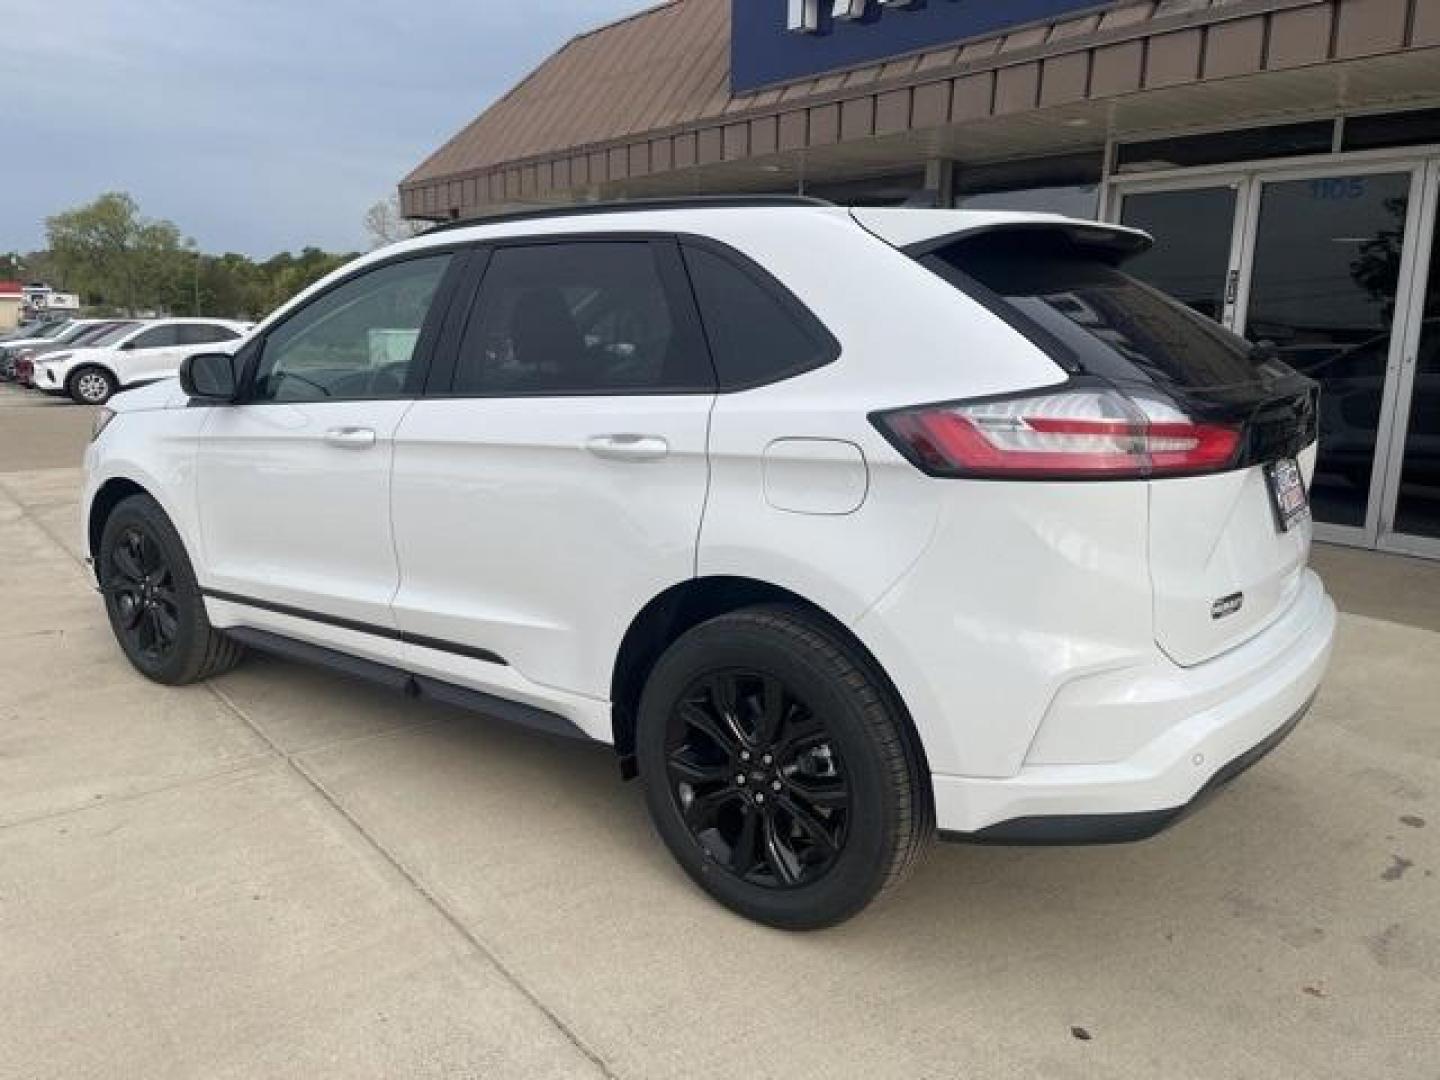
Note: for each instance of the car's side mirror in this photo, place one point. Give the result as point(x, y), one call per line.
point(209, 377)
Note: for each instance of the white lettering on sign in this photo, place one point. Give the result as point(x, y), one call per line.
point(804, 15)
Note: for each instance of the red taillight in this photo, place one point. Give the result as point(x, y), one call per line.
point(1064, 435)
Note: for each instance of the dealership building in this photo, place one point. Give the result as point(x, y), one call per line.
point(1284, 153)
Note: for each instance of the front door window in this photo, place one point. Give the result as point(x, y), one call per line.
point(355, 342)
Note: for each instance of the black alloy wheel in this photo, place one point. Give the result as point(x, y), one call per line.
point(780, 767)
point(757, 778)
point(154, 603)
point(141, 585)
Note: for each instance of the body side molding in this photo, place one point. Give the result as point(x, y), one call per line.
point(389, 633)
point(424, 686)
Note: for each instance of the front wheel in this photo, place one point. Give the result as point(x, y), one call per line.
point(780, 769)
point(91, 386)
point(154, 603)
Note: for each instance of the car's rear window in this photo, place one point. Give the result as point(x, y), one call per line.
point(1076, 302)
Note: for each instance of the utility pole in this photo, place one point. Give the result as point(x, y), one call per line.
point(195, 278)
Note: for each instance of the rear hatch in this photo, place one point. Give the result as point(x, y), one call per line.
point(1223, 565)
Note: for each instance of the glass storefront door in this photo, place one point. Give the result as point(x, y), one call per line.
point(1193, 265)
point(1414, 492)
point(1327, 269)
point(1323, 288)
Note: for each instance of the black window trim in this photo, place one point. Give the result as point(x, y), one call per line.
point(828, 346)
point(673, 279)
point(680, 290)
point(249, 356)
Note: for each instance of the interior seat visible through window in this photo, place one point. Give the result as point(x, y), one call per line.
point(581, 318)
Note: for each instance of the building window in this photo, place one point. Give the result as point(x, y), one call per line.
point(1067, 185)
point(1419, 128)
point(875, 191)
point(1222, 147)
point(1072, 200)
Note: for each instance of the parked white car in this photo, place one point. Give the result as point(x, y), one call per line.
point(839, 525)
point(148, 352)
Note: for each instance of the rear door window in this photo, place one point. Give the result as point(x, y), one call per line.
point(589, 317)
point(205, 334)
point(758, 332)
point(159, 337)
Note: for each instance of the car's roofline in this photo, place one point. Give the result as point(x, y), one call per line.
point(633, 206)
point(899, 225)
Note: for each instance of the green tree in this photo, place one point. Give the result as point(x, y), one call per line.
point(116, 257)
point(119, 260)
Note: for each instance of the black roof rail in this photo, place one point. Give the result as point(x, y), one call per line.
point(631, 206)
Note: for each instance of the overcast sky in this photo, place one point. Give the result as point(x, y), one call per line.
point(254, 125)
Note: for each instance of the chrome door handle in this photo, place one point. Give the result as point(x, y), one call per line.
point(628, 447)
point(352, 438)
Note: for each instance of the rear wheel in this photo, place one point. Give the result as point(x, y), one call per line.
point(91, 386)
point(780, 770)
point(153, 601)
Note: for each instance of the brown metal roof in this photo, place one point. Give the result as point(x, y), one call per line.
point(665, 66)
point(650, 94)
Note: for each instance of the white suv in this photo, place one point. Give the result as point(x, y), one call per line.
point(147, 352)
point(839, 525)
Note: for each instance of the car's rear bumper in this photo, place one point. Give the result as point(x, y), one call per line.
point(1203, 726)
point(1124, 827)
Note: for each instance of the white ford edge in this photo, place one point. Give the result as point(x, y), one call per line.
point(841, 526)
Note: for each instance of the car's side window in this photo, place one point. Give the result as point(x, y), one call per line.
point(159, 337)
point(205, 334)
point(356, 341)
point(588, 317)
point(757, 332)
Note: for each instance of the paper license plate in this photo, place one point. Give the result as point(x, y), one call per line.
point(1287, 492)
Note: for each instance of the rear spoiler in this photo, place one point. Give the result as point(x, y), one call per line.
point(1110, 241)
point(919, 232)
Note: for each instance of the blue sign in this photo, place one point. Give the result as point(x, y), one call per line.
point(776, 41)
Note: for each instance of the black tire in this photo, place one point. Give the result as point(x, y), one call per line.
point(90, 385)
point(156, 611)
point(849, 808)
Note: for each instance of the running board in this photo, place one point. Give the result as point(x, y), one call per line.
point(411, 685)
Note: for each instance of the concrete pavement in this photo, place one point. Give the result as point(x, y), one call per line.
point(283, 873)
